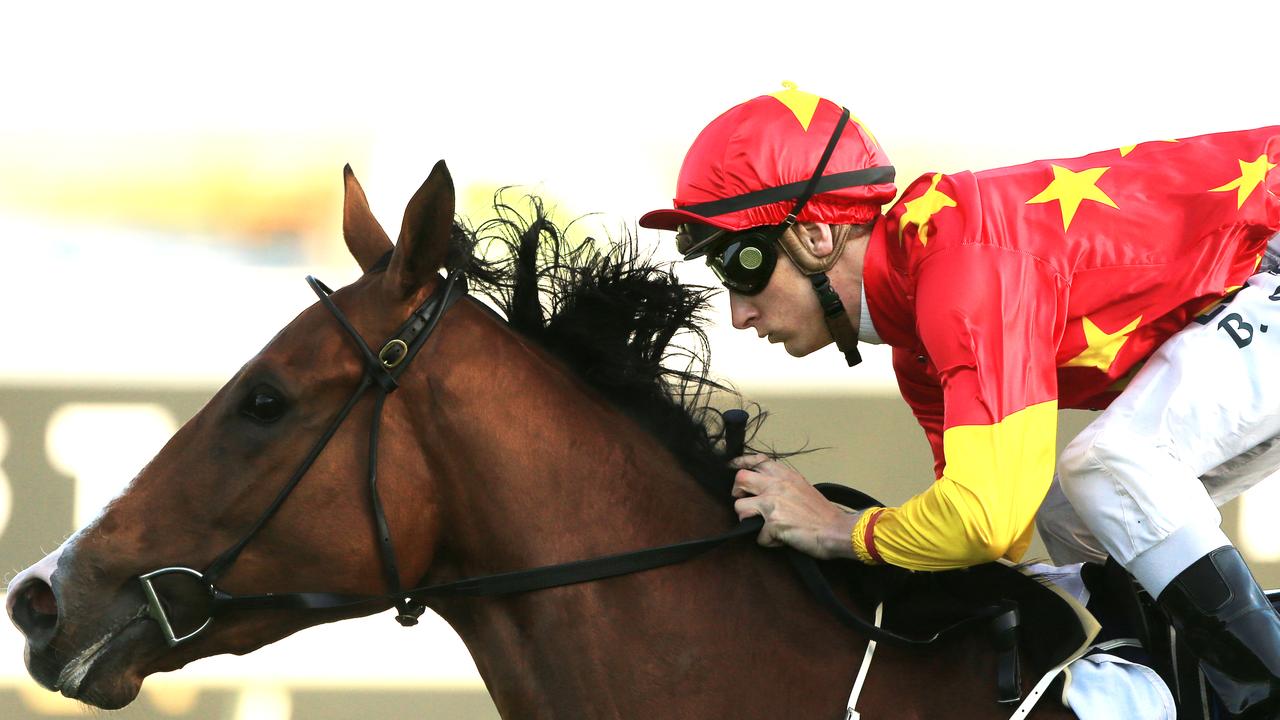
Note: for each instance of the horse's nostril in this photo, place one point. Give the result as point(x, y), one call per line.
point(35, 611)
point(42, 601)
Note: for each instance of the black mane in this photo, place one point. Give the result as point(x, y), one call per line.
point(617, 318)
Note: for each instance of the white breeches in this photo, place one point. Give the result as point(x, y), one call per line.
point(1198, 425)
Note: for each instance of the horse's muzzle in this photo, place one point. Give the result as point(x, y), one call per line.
point(32, 602)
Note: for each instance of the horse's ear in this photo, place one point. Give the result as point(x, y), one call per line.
point(424, 236)
point(366, 239)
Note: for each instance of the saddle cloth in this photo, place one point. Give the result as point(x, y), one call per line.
point(1110, 681)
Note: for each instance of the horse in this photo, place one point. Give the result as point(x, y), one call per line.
point(541, 438)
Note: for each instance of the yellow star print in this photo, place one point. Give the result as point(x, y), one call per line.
point(1102, 346)
point(1126, 149)
point(922, 208)
point(799, 102)
point(1251, 175)
point(803, 105)
point(1071, 188)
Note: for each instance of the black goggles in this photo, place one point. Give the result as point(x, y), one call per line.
point(744, 260)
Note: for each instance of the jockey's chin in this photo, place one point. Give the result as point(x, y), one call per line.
point(802, 345)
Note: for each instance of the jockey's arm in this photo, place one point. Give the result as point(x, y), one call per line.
point(989, 321)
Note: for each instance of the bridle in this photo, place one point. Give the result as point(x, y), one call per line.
point(382, 371)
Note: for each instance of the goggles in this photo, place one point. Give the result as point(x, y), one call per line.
point(744, 260)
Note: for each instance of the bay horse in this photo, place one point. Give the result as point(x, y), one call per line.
point(511, 444)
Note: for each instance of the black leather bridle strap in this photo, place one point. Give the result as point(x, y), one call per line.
point(507, 583)
point(422, 323)
point(390, 565)
point(413, 334)
point(384, 369)
point(581, 571)
point(228, 556)
point(519, 581)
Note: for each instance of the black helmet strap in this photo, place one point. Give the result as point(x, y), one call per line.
point(839, 324)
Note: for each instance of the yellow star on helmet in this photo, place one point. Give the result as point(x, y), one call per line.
point(921, 209)
point(1251, 175)
point(800, 103)
point(1101, 347)
point(1071, 188)
point(1126, 149)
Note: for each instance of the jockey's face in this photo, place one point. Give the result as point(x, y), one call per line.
point(787, 310)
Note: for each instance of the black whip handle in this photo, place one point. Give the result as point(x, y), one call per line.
point(735, 432)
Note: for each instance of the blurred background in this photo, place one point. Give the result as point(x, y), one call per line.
point(169, 173)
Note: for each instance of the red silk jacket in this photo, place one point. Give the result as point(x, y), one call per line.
point(1009, 293)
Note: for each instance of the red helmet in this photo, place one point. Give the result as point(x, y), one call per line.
point(748, 167)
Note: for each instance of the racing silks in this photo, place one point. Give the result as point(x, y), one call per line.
point(1009, 293)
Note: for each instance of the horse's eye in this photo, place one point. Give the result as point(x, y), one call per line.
point(264, 404)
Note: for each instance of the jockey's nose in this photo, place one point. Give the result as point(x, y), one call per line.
point(32, 604)
point(742, 310)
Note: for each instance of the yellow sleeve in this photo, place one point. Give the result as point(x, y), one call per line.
point(983, 506)
point(990, 319)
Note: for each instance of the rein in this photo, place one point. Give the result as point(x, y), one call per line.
point(381, 373)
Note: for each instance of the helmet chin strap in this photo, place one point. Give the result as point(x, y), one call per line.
point(843, 327)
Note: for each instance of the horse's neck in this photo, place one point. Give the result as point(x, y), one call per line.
point(541, 472)
point(533, 470)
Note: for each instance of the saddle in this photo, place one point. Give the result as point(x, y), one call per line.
point(1049, 628)
point(921, 608)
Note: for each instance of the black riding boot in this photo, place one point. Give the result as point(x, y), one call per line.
point(1219, 610)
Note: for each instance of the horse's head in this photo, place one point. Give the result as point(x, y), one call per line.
point(90, 631)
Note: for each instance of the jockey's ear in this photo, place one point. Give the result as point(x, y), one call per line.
point(366, 239)
point(425, 233)
point(816, 238)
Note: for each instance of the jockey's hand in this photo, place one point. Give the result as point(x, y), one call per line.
point(794, 512)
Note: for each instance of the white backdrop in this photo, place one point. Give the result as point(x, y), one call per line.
point(591, 103)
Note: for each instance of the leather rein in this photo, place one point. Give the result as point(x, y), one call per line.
point(382, 371)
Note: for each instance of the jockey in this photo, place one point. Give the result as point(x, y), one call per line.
point(1005, 295)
